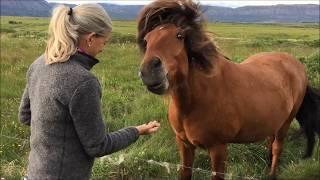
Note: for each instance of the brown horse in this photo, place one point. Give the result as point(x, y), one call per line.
point(214, 101)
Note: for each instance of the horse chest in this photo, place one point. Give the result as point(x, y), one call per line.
point(200, 131)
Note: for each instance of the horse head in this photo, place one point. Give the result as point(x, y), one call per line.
point(172, 38)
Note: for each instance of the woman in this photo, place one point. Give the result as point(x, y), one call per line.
point(61, 101)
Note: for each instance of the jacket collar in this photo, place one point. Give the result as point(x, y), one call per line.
point(85, 60)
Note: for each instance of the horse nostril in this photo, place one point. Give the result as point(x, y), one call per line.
point(155, 62)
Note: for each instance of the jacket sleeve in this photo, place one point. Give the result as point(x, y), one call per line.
point(24, 109)
point(85, 110)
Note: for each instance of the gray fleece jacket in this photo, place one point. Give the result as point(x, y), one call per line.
point(61, 103)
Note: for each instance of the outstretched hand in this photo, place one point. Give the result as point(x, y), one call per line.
point(148, 128)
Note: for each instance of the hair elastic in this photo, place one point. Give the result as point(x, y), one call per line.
point(70, 11)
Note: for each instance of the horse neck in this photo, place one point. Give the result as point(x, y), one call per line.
point(181, 94)
point(189, 92)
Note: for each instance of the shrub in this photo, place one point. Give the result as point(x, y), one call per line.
point(15, 22)
point(122, 38)
point(312, 64)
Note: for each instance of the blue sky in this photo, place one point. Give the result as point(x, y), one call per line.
point(227, 3)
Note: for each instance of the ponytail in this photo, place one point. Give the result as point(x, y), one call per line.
point(67, 25)
point(63, 36)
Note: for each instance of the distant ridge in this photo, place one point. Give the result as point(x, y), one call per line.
point(276, 13)
point(260, 14)
point(25, 8)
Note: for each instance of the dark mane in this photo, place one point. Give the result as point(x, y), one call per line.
point(187, 15)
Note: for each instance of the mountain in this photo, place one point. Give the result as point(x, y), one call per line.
point(274, 14)
point(36, 8)
point(25, 8)
point(122, 11)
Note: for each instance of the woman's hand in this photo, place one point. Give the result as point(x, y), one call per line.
point(148, 128)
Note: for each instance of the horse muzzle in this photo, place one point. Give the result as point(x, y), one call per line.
point(154, 76)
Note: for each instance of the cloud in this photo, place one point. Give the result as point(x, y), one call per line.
point(226, 3)
point(229, 3)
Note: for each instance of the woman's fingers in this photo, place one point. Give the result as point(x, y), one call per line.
point(153, 129)
point(148, 128)
point(153, 124)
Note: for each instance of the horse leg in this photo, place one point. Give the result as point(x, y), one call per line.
point(269, 142)
point(218, 154)
point(310, 142)
point(277, 146)
point(186, 152)
point(276, 151)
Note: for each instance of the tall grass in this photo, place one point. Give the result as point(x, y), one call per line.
point(126, 102)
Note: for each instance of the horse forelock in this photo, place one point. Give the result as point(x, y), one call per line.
point(185, 14)
point(179, 12)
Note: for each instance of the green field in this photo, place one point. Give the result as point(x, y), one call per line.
point(126, 102)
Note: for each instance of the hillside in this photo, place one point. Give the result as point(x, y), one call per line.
point(25, 8)
point(276, 13)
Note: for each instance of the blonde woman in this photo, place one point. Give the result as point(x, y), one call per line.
point(61, 101)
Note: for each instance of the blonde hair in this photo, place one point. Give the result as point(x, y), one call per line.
point(67, 25)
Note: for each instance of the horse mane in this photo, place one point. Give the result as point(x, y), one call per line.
point(186, 15)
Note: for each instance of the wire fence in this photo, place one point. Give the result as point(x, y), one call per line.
point(169, 167)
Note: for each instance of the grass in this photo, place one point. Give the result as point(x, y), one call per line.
point(126, 102)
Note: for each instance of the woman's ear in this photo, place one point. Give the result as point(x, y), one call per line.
point(90, 38)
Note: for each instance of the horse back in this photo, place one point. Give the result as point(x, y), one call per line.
point(275, 84)
point(265, 92)
point(277, 69)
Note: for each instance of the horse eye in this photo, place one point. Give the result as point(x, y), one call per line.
point(180, 36)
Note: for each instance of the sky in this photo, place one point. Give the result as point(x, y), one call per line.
point(226, 3)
